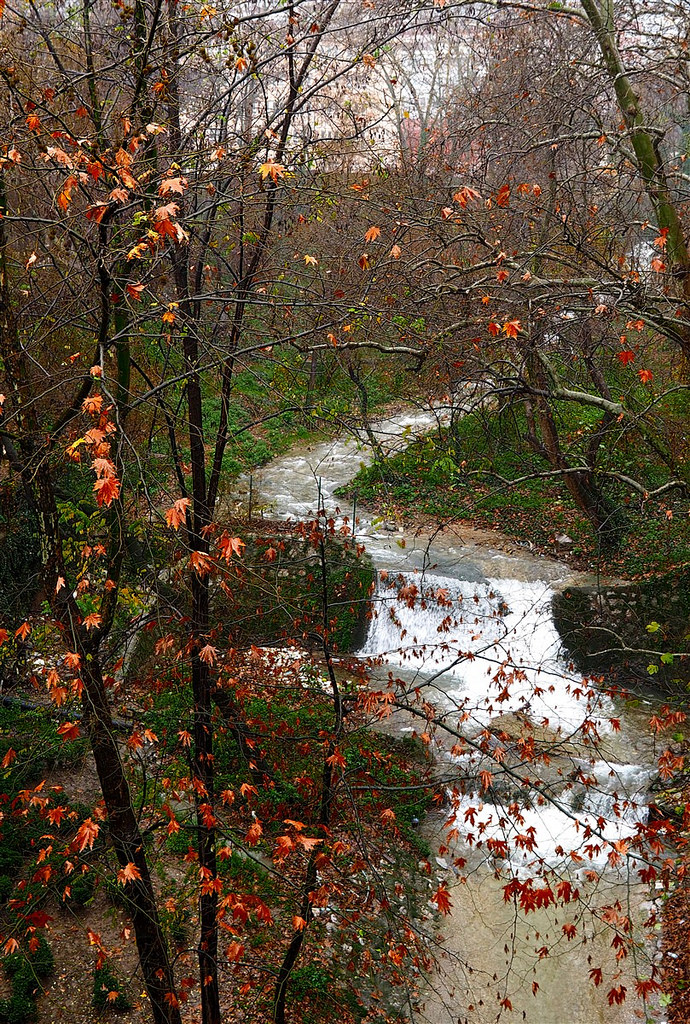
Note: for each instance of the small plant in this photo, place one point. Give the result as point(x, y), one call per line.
point(24, 969)
point(108, 991)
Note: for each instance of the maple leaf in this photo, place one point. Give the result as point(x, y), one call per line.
point(86, 834)
point(658, 265)
point(270, 169)
point(3, 636)
point(200, 562)
point(388, 816)
point(208, 654)
point(97, 213)
point(230, 546)
point(512, 328)
point(661, 239)
point(493, 328)
point(176, 515)
point(503, 196)
point(134, 291)
point(138, 251)
point(646, 376)
point(442, 899)
point(129, 873)
point(8, 758)
point(368, 60)
point(93, 404)
point(11, 946)
point(447, 212)
point(166, 212)
point(169, 186)
point(396, 252)
point(364, 261)
point(23, 631)
point(371, 234)
point(466, 195)
point(311, 261)
point(616, 995)
point(107, 489)
point(254, 833)
point(502, 275)
point(627, 356)
point(33, 123)
point(69, 730)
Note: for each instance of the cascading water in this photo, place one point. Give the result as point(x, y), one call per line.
point(490, 650)
point(471, 629)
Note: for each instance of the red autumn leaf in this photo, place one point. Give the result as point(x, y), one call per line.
point(8, 758)
point(88, 831)
point(502, 276)
point(596, 976)
point(97, 213)
point(93, 404)
point(107, 490)
point(69, 730)
point(503, 196)
point(176, 515)
point(23, 631)
point(134, 291)
point(616, 995)
point(173, 185)
point(230, 546)
point(493, 328)
point(646, 376)
point(129, 873)
point(200, 562)
point(512, 328)
point(442, 899)
point(371, 234)
point(627, 356)
point(466, 195)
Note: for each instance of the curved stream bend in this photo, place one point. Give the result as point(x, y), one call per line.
point(496, 607)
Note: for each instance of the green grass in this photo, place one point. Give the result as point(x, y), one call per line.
point(461, 476)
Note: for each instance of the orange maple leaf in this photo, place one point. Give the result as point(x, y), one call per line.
point(107, 490)
point(86, 834)
point(69, 731)
point(173, 185)
point(176, 515)
point(129, 873)
point(371, 234)
point(442, 899)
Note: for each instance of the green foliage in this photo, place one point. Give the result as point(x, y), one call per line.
point(105, 981)
point(20, 557)
point(311, 980)
point(24, 969)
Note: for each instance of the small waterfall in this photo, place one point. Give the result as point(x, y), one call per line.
point(490, 652)
point(490, 648)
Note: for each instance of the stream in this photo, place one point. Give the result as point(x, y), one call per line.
point(469, 613)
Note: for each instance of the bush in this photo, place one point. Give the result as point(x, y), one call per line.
point(104, 983)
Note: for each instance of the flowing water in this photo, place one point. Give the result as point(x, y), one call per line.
point(470, 627)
